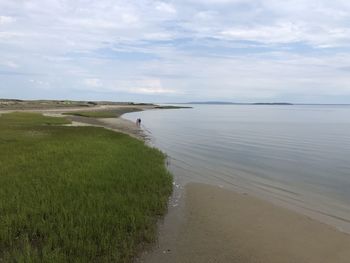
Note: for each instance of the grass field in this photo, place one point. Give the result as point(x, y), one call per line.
point(76, 194)
point(102, 114)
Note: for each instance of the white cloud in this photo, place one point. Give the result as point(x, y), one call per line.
point(282, 33)
point(6, 20)
point(192, 47)
point(10, 64)
point(40, 84)
point(150, 86)
point(130, 19)
point(84, 23)
point(213, 2)
point(165, 7)
point(93, 82)
point(153, 91)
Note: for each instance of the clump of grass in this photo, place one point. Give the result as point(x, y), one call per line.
point(102, 114)
point(76, 194)
point(25, 119)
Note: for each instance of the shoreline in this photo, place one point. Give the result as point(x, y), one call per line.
point(220, 225)
point(202, 225)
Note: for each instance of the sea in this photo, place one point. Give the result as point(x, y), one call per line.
point(296, 156)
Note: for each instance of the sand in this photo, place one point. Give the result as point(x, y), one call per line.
point(220, 225)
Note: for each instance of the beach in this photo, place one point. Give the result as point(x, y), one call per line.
point(219, 225)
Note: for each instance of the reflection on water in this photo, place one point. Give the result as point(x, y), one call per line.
point(296, 154)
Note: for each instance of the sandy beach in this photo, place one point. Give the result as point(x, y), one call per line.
point(224, 226)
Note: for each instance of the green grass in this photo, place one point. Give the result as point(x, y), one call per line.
point(76, 194)
point(102, 114)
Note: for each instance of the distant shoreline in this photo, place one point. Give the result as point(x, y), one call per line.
point(263, 104)
point(58, 104)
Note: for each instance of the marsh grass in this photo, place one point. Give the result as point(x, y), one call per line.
point(76, 194)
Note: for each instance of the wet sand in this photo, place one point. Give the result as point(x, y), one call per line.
point(217, 225)
point(124, 126)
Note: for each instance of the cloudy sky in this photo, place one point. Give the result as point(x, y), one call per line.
point(175, 51)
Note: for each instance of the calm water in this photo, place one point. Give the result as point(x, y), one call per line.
point(299, 155)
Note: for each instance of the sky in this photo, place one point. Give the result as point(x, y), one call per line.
point(176, 51)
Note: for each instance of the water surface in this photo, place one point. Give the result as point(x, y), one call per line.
point(298, 155)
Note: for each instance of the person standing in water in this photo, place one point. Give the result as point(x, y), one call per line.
point(138, 122)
